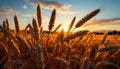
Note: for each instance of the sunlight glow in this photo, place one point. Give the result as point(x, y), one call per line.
point(65, 28)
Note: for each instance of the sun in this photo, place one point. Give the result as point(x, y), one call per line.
point(65, 28)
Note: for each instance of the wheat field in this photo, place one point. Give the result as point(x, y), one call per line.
point(33, 48)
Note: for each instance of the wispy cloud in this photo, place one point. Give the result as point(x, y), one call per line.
point(6, 11)
point(45, 18)
point(46, 4)
point(29, 15)
point(104, 24)
point(24, 6)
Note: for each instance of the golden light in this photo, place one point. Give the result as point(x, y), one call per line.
point(65, 28)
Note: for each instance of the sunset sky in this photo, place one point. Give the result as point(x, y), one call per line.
point(107, 19)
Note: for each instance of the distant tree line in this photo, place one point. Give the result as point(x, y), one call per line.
point(109, 33)
point(114, 32)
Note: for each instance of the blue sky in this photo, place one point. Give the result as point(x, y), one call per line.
point(66, 10)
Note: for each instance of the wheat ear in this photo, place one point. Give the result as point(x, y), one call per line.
point(74, 35)
point(39, 16)
point(17, 26)
point(9, 33)
point(87, 17)
point(109, 48)
point(52, 20)
point(39, 56)
point(104, 38)
point(4, 47)
point(4, 24)
point(61, 61)
point(71, 24)
point(35, 29)
point(85, 63)
point(104, 63)
point(7, 23)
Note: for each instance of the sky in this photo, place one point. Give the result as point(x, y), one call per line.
point(107, 19)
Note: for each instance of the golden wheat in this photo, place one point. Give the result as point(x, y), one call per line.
point(52, 20)
point(39, 16)
point(87, 17)
point(71, 24)
point(17, 26)
point(57, 28)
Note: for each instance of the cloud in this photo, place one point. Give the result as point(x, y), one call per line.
point(29, 15)
point(24, 6)
point(115, 21)
point(6, 11)
point(63, 9)
point(103, 24)
point(44, 18)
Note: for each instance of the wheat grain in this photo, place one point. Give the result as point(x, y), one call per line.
point(24, 47)
point(4, 24)
point(9, 33)
point(105, 63)
point(39, 16)
point(39, 56)
point(7, 23)
point(75, 35)
point(104, 38)
point(12, 45)
point(25, 65)
point(87, 17)
point(109, 48)
point(60, 37)
point(4, 47)
point(71, 24)
point(18, 61)
point(35, 29)
point(85, 63)
point(52, 20)
point(61, 61)
point(17, 26)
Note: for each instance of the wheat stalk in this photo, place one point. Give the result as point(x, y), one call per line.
point(75, 35)
point(4, 47)
point(18, 61)
point(60, 37)
point(105, 63)
point(25, 65)
point(85, 63)
point(17, 26)
point(104, 38)
point(61, 61)
point(71, 24)
point(13, 46)
point(7, 23)
point(35, 29)
point(4, 24)
point(52, 20)
point(9, 33)
point(39, 16)
point(109, 48)
point(57, 28)
point(87, 17)
point(27, 27)
point(24, 47)
point(39, 56)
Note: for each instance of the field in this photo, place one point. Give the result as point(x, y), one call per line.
point(33, 48)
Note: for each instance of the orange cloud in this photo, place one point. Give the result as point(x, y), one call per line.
point(6, 11)
point(105, 24)
point(63, 9)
